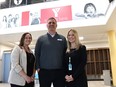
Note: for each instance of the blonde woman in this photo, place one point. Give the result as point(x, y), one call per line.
point(75, 61)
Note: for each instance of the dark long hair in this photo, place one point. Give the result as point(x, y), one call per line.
point(21, 43)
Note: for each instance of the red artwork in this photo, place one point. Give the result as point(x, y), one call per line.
point(63, 13)
point(25, 18)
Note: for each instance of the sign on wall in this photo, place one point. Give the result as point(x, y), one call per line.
point(38, 14)
point(63, 13)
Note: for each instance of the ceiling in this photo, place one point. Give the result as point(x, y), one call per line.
point(91, 34)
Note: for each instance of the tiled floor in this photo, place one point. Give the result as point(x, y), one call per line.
point(90, 83)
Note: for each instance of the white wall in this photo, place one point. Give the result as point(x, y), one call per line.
point(2, 49)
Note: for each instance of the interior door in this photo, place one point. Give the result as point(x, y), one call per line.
point(6, 66)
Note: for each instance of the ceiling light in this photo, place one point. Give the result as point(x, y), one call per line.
point(81, 38)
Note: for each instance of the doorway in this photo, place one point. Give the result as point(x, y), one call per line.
point(6, 66)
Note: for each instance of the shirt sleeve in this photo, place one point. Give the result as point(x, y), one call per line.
point(15, 58)
point(37, 53)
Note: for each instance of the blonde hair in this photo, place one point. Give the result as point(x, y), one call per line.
point(77, 42)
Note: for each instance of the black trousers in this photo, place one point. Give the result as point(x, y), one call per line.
point(26, 85)
point(47, 77)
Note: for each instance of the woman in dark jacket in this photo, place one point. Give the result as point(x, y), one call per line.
point(75, 61)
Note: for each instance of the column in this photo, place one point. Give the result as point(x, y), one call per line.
point(112, 47)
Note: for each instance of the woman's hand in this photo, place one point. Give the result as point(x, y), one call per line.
point(28, 79)
point(69, 78)
point(33, 77)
